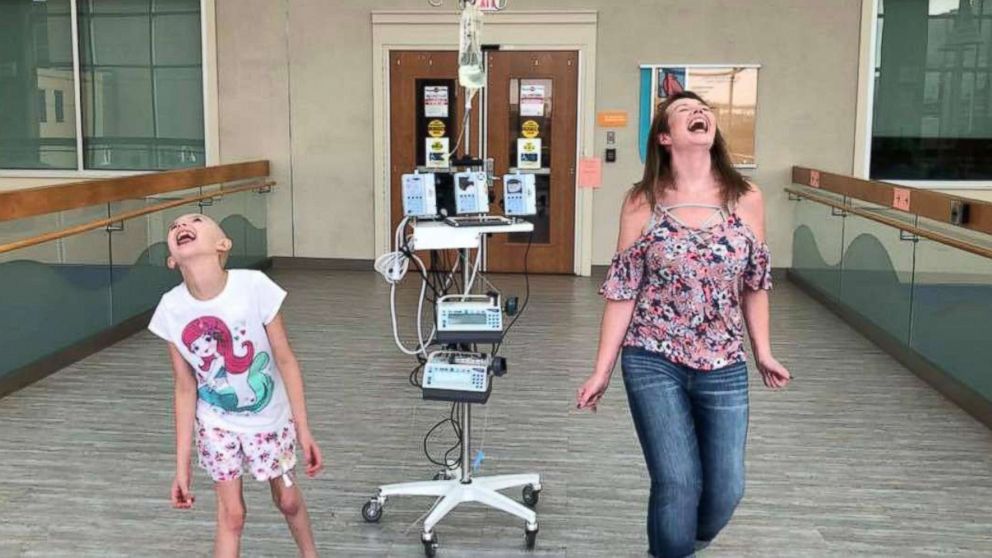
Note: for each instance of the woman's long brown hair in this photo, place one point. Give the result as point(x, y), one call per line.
point(658, 173)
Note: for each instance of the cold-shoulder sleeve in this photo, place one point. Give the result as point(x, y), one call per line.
point(626, 273)
point(758, 273)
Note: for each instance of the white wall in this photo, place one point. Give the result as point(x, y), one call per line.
point(295, 87)
point(304, 72)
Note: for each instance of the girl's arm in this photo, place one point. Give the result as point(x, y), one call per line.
point(185, 411)
point(289, 367)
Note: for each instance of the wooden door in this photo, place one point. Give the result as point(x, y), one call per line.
point(533, 95)
point(411, 74)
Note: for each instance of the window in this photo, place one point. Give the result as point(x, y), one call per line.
point(139, 78)
point(933, 90)
point(59, 106)
point(35, 54)
point(42, 107)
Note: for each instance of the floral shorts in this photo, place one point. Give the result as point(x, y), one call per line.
point(267, 455)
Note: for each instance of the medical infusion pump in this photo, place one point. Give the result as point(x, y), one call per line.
point(520, 194)
point(471, 192)
point(469, 319)
point(419, 195)
point(457, 376)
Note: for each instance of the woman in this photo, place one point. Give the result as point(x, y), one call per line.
point(691, 270)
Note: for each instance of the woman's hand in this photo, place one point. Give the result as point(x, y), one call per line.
point(592, 391)
point(773, 373)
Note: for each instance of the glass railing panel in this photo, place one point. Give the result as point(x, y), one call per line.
point(818, 242)
point(54, 294)
point(877, 277)
point(231, 211)
point(256, 233)
point(977, 238)
point(952, 313)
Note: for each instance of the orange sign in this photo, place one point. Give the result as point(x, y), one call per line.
point(612, 119)
point(900, 198)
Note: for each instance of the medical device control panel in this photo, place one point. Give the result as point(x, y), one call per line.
point(520, 194)
point(419, 195)
point(471, 192)
point(457, 376)
point(469, 319)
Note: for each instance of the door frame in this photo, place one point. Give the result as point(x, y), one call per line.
point(513, 30)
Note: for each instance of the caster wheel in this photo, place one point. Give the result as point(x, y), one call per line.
point(531, 539)
point(372, 511)
point(430, 545)
point(444, 474)
point(531, 496)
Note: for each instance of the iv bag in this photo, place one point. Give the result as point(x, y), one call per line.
point(471, 73)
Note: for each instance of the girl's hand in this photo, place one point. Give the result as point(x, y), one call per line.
point(182, 496)
point(773, 373)
point(592, 391)
point(311, 453)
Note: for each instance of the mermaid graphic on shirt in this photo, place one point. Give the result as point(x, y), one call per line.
point(231, 376)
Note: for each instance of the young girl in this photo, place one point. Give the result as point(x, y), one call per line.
point(238, 384)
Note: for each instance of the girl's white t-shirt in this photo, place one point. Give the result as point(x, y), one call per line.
point(223, 339)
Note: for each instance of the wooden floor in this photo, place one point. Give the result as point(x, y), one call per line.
point(858, 458)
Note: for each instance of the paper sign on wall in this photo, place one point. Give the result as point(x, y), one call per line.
point(814, 179)
point(532, 100)
point(437, 153)
point(590, 172)
point(901, 198)
point(436, 101)
point(528, 153)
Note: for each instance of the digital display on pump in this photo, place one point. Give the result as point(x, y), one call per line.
point(473, 318)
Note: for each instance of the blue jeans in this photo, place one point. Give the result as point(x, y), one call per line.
point(692, 425)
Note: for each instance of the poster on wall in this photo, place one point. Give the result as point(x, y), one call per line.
point(730, 89)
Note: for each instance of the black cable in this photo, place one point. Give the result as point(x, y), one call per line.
point(408, 252)
point(414, 381)
point(523, 306)
point(427, 438)
point(456, 427)
point(425, 278)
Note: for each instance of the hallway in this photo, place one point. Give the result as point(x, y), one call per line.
point(857, 458)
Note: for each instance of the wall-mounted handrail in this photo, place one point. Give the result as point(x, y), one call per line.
point(931, 204)
point(128, 215)
point(31, 202)
point(895, 223)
